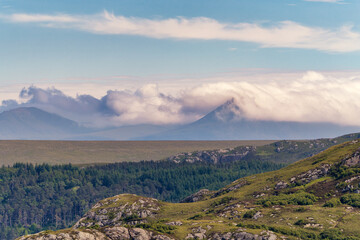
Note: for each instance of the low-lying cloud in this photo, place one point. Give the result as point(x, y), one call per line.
point(284, 34)
point(314, 97)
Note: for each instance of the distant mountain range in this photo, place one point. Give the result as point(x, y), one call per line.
point(224, 123)
point(33, 123)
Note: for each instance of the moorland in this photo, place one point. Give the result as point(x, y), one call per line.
point(49, 197)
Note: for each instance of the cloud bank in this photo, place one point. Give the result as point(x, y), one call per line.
point(314, 97)
point(285, 34)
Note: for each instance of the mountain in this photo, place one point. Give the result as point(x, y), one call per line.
point(314, 198)
point(33, 123)
point(30, 123)
point(225, 123)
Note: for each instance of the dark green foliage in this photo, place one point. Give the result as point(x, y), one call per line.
point(299, 198)
point(338, 171)
point(351, 199)
point(302, 234)
point(332, 203)
point(196, 217)
point(301, 222)
point(335, 234)
point(249, 214)
point(159, 227)
point(330, 234)
point(301, 209)
point(131, 218)
point(38, 197)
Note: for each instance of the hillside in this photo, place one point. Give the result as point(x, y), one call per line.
point(285, 151)
point(315, 198)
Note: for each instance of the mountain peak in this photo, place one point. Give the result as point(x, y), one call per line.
point(34, 123)
point(228, 112)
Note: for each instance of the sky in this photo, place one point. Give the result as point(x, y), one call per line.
point(171, 62)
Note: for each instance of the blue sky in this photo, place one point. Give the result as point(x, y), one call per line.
point(29, 51)
point(94, 46)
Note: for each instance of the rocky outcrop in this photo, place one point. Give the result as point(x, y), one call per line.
point(114, 212)
point(232, 211)
point(234, 186)
point(241, 235)
point(78, 234)
point(214, 156)
point(117, 233)
point(198, 196)
point(110, 233)
point(281, 185)
point(311, 175)
point(353, 160)
point(197, 233)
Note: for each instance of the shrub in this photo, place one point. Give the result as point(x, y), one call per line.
point(159, 227)
point(196, 217)
point(299, 198)
point(249, 214)
point(351, 199)
point(301, 222)
point(133, 217)
point(335, 234)
point(301, 209)
point(332, 203)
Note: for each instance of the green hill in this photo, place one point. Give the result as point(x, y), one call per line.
point(315, 198)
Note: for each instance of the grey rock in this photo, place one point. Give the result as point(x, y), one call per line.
point(311, 174)
point(198, 196)
point(353, 160)
point(139, 234)
point(281, 185)
point(176, 223)
point(117, 233)
point(73, 234)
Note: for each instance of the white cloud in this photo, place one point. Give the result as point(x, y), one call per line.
point(285, 34)
point(306, 97)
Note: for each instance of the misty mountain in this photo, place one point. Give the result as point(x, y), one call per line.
point(226, 123)
point(33, 123)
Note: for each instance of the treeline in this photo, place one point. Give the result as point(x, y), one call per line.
point(38, 197)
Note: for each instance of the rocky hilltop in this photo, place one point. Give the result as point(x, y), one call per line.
point(315, 198)
point(285, 151)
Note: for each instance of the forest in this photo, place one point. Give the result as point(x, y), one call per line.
point(39, 197)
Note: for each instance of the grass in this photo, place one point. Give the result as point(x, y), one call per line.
point(285, 220)
point(97, 152)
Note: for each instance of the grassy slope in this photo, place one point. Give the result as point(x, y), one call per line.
point(280, 219)
point(345, 218)
point(88, 152)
